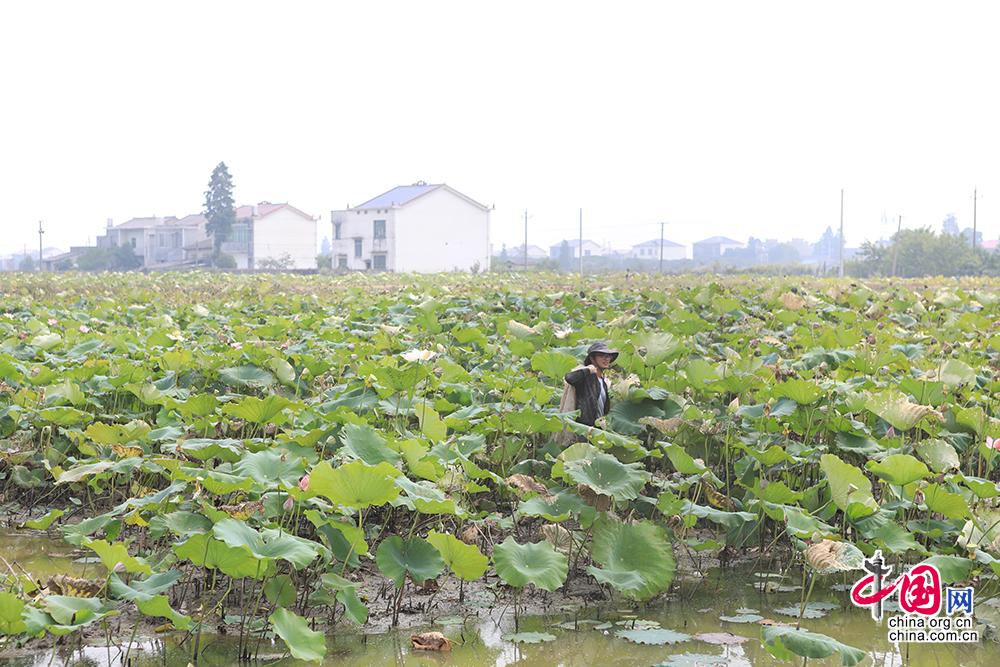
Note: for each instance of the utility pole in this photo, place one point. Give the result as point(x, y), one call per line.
point(41, 231)
point(975, 199)
point(525, 239)
point(661, 246)
point(895, 245)
point(580, 247)
point(841, 272)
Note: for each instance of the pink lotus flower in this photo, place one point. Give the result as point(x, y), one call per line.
point(289, 503)
point(304, 482)
point(992, 443)
point(84, 328)
point(53, 321)
point(891, 433)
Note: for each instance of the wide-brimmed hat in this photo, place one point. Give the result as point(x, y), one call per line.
point(601, 347)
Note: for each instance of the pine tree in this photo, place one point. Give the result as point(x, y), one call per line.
point(220, 210)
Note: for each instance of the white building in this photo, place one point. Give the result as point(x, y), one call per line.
point(159, 242)
point(272, 236)
point(590, 249)
point(421, 228)
point(651, 250)
point(713, 248)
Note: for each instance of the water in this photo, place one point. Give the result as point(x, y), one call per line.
point(479, 641)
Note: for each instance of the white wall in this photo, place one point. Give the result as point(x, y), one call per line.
point(285, 231)
point(362, 224)
point(653, 252)
point(441, 231)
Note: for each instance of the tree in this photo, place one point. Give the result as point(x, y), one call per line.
point(921, 252)
point(220, 210)
point(950, 225)
point(27, 264)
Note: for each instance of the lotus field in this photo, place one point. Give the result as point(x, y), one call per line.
point(294, 454)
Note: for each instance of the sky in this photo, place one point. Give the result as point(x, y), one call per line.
point(733, 118)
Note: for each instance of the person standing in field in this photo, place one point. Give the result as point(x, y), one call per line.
point(585, 387)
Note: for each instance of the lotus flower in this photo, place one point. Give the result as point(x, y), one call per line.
point(84, 328)
point(53, 321)
point(304, 482)
point(419, 355)
point(992, 443)
point(289, 503)
point(891, 433)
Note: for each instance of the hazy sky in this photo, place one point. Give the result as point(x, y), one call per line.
point(736, 118)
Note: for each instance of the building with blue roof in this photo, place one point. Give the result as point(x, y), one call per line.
point(422, 227)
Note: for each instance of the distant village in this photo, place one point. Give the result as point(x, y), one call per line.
point(410, 228)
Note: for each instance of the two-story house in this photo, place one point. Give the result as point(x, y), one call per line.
point(574, 248)
point(651, 250)
point(713, 248)
point(279, 235)
point(422, 228)
point(159, 242)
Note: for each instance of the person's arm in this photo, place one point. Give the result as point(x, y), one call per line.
point(578, 376)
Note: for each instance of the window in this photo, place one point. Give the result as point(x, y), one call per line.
point(378, 229)
point(132, 241)
point(336, 231)
point(357, 247)
point(378, 261)
point(341, 261)
point(240, 234)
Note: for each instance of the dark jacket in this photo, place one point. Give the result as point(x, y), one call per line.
point(588, 392)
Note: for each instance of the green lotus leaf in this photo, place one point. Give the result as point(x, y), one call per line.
point(347, 594)
point(528, 637)
point(900, 469)
point(954, 373)
point(898, 410)
point(606, 475)
point(554, 364)
point(950, 505)
point(538, 564)
point(363, 442)
point(397, 558)
point(203, 449)
point(653, 636)
point(11, 609)
point(268, 410)
point(74, 611)
point(637, 559)
point(269, 543)
point(197, 405)
point(465, 560)
point(426, 497)
point(938, 454)
point(113, 554)
point(953, 569)
point(205, 551)
point(355, 484)
point(65, 416)
point(694, 660)
point(271, 468)
point(280, 591)
point(802, 392)
point(247, 376)
point(785, 642)
point(149, 598)
point(852, 492)
point(43, 522)
point(657, 348)
point(304, 644)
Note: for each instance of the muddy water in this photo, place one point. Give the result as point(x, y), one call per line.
point(45, 555)
point(694, 609)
